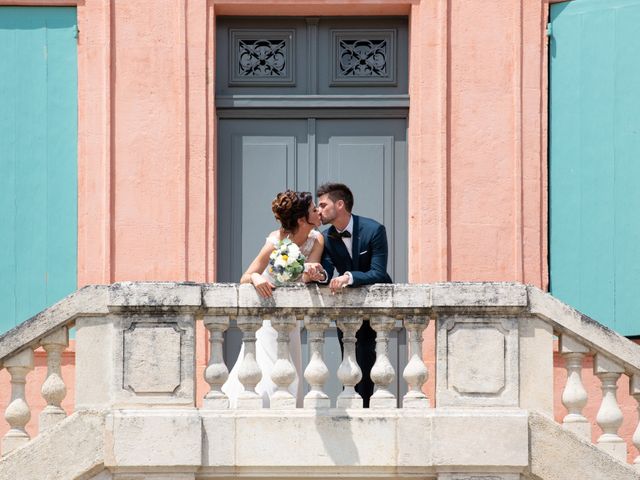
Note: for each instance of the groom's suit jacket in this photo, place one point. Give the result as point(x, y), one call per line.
point(368, 247)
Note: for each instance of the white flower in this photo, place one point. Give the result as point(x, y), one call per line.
point(294, 251)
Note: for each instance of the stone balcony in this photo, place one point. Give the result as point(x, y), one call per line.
point(491, 417)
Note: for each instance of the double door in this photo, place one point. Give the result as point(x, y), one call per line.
point(259, 157)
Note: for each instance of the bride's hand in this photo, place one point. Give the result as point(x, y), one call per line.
point(262, 285)
point(314, 272)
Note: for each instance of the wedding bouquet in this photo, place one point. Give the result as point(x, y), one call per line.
point(286, 262)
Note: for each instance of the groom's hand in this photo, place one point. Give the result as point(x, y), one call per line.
point(338, 283)
point(315, 272)
point(262, 285)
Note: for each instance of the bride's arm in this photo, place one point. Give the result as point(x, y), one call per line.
point(254, 272)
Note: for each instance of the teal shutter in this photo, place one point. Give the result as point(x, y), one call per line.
point(594, 159)
point(38, 159)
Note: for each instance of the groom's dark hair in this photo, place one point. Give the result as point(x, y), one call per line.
point(337, 191)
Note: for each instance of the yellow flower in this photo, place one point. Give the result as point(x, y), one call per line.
point(285, 257)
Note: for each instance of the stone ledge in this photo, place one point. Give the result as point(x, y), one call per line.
point(71, 449)
point(87, 302)
point(587, 330)
point(338, 439)
point(163, 296)
point(557, 454)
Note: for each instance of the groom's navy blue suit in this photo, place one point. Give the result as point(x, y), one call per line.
point(368, 265)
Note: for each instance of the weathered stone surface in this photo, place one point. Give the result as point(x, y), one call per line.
point(220, 298)
point(154, 295)
point(480, 438)
point(95, 365)
point(593, 334)
point(477, 361)
point(479, 476)
point(479, 294)
point(412, 296)
point(152, 439)
point(536, 365)
point(558, 455)
point(364, 441)
point(152, 358)
point(122, 361)
point(146, 363)
point(88, 301)
point(70, 449)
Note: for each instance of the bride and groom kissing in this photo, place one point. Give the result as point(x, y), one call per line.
point(354, 246)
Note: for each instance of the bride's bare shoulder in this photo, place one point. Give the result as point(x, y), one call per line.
point(274, 236)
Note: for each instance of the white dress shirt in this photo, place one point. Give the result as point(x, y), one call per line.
point(348, 242)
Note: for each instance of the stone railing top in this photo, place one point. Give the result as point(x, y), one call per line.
point(88, 301)
point(391, 299)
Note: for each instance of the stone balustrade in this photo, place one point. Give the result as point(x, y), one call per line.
point(135, 350)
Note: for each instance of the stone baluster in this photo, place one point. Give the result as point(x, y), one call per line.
point(216, 372)
point(283, 372)
point(609, 416)
point(249, 373)
point(415, 373)
point(18, 412)
point(574, 396)
point(316, 372)
point(382, 372)
point(349, 372)
point(53, 388)
point(634, 390)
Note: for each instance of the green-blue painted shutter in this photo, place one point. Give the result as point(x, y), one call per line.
point(38, 159)
point(594, 155)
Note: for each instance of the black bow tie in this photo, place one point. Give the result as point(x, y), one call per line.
point(338, 235)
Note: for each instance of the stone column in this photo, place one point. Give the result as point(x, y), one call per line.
point(634, 390)
point(53, 388)
point(18, 412)
point(609, 416)
point(216, 372)
point(349, 371)
point(574, 396)
point(415, 373)
point(382, 372)
point(316, 372)
point(283, 372)
point(249, 373)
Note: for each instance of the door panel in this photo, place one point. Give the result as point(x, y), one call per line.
point(258, 158)
point(369, 155)
point(593, 151)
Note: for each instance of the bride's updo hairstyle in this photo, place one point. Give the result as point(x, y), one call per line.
point(289, 206)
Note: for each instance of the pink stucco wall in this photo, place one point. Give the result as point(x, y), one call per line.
point(147, 140)
point(147, 136)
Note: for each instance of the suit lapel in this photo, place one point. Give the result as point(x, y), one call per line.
point(355, 244)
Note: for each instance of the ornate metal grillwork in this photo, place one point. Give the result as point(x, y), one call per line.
point(363, 58)
point(262, 58)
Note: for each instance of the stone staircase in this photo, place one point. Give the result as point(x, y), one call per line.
point(491, 417)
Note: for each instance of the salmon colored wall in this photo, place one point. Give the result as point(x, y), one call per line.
point(476, 139)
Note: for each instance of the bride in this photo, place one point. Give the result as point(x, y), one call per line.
point(298, 218)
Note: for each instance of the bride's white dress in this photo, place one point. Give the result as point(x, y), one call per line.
point(267, 351)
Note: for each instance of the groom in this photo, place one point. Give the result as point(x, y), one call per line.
point(357, 248)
